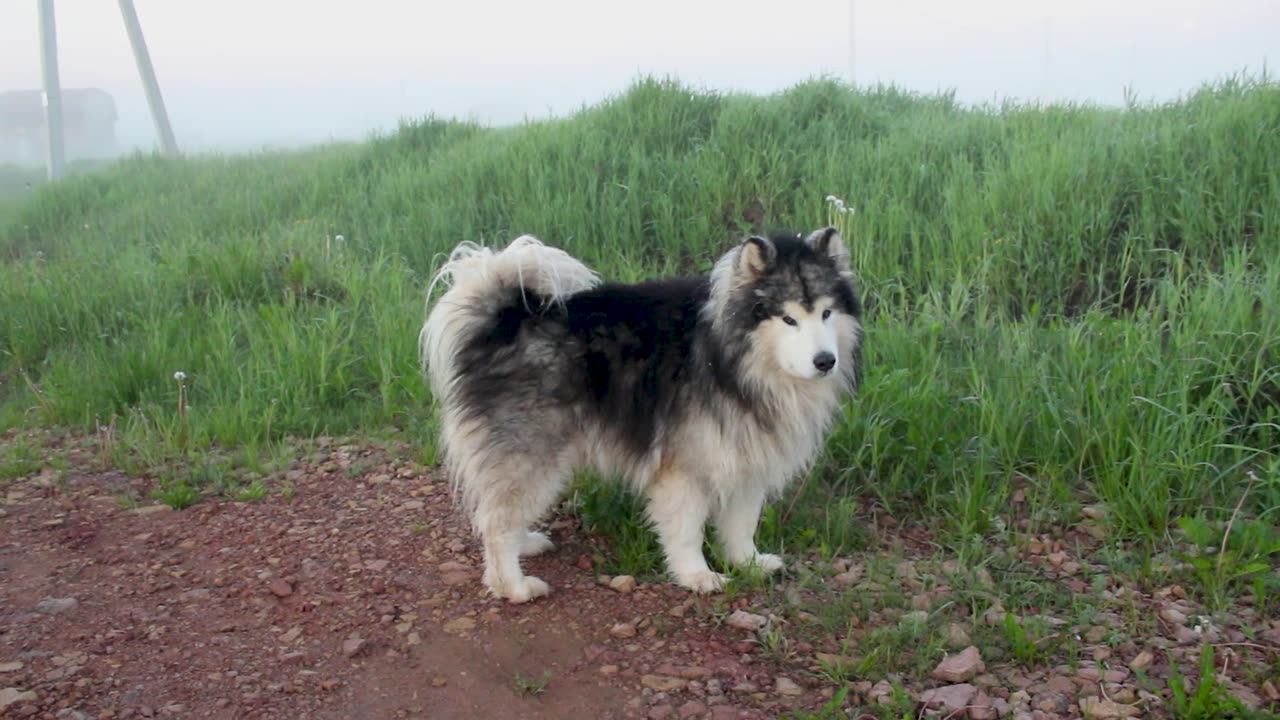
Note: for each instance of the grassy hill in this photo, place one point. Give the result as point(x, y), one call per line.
point(1068, 304)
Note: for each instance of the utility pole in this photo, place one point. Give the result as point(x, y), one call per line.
point(55, 159)
point(148, 75)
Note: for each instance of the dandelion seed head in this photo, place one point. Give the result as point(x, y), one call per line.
point(179, 376)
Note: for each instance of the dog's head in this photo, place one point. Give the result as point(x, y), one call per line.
point(804, 311)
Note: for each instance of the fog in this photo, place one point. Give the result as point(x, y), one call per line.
point(242, 74)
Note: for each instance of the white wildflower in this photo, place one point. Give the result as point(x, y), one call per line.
point(179, 376)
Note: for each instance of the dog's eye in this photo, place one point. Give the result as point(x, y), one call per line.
point(788, 320)
point(826, 313)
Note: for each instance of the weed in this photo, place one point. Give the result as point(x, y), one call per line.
point(527, 685)
point(254, 491)
point(1223, 561)
point(1209, 700)
point(177, 494)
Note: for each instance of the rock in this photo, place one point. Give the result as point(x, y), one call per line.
point(1174, 615)
point(1062, 684)
point(688, 672)
point(850, 575)
point(955, 636)
point(1057, 558)
point(1094, 512)
point(460, 624)
point(960, 667)
point(982, 707)
point(660, 712)
point(881, 693)
point(743, 620)
point(834, 661)
point(1054, 703)
point(662, 683)
point(623, 630)
point(994, 615)
point(353, 646)
point(915, 617)
point(56, 606)
point(291, 635)
point(13, 696)
point(692, 709)
point(14, 666)
point(152, 509)
point(953, 698)
point(1141, 662)
point(377, 565)
point(1095, 634)
point(784, 685)
point(280, 588)
point(413, 505)
point(1269, 689)
point(1096, 708)
point(439, 681)
point(623, 584)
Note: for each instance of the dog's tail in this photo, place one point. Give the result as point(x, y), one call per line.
point(480, 280)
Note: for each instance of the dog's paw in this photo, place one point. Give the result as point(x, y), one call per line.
point(768, 562)
point(702, 581)
point(526, 589)
point(535, 543)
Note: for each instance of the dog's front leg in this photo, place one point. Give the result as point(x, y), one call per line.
point(736, 521)
point(678, 508)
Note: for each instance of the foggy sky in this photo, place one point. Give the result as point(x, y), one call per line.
point(239, 74)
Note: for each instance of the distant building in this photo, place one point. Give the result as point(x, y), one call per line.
point(88, 119)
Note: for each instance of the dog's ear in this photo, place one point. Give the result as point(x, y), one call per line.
point(827, 241)
point(757, 256)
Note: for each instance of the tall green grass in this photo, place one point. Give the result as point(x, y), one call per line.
point(1074, 301)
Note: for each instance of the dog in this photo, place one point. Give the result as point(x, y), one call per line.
point(707, 394)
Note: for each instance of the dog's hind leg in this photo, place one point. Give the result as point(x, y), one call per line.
point(535, 543)
point(736, 519)
point(514, 498)
point(678, 508)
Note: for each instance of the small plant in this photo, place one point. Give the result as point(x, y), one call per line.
point(526, 685)
point(1224, 561)
point(1209, 700)
point(1024, 647)
point(184, 430)
point(106, 443)
point(832, 710)
point(177, 495)
point(18, 461)
point(251, 492)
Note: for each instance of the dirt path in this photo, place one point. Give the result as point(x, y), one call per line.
point(355, 595)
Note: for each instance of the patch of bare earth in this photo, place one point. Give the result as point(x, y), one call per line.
point(357, 596)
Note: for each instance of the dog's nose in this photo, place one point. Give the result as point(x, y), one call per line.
point(824, 361)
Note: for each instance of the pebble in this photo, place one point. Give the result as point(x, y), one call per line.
point(1142, 661)
point(352, 647)
point(784, 685)
point(743, 620)
point(662, 683)
point(960, 667)
point(459, 624)
point(280, 588)
point(623, 584)
point(623, 630)
point(56, 606)
point(12, 696)
point(951, 697)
